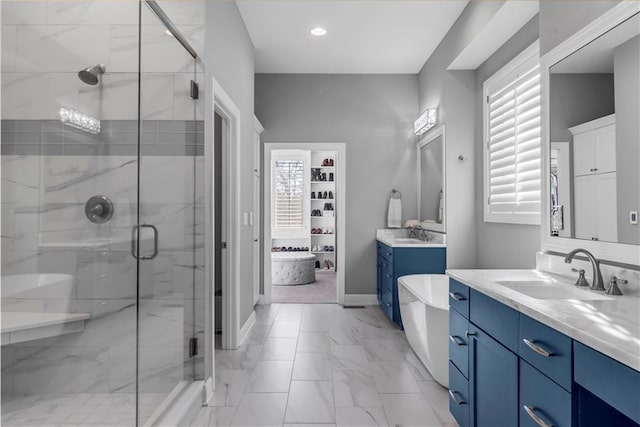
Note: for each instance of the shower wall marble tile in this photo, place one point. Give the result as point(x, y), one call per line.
point(49, 170)
point(44, 230)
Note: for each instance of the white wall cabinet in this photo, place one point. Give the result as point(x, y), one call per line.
point(594, 167)
point(594, 146)
point(596, 207)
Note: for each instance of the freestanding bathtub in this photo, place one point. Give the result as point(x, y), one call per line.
point(424, 307)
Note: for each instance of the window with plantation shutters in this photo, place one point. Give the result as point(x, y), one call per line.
point(289, 186)
point(512, 136)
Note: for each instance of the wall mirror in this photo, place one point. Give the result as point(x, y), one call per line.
point(593, 138)
point(431, 180)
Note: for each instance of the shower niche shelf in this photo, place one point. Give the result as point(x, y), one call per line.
point(23, 326)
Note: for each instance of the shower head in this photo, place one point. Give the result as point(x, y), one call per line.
point(91, 75)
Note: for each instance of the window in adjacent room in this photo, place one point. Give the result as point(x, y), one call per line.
point(512, 150)
point(289, 204)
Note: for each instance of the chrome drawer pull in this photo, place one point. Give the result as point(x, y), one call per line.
point(456, 296)
point(530, 411)
point(541, 351)
point(455, 398)
point(457, 340)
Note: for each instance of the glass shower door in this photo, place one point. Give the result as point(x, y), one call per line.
point(168, 265)
point(69, 200)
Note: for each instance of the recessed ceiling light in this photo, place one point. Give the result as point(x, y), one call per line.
point(318, 31)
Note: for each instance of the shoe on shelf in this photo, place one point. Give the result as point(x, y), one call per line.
point(330, 176)
point(330, 194)
point(318, 264)
point(313, 194)
point(324, 195)
point(329, 264)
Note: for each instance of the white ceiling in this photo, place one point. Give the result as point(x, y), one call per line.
point(363, 36)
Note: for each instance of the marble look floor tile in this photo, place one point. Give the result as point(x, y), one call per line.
point(287, 313)
point(308, 425)
point(279, 349)
point(243, 358)
point(349, 357)
point(355, 388)
point(438, 397)
point(258, 334)
point(284, 329)
point(318, 323)
point(386, 349)
point(417, 368)
point(313, 342)
point(270, 377)
point(359, 417)
point(346, 334)
point(393, 377)
point(212, 416)
point(312, 367)
point(230, 386)
point(261, 409)
point(310, 402)
point(409, 410)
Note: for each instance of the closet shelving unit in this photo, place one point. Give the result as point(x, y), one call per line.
point(328, 220)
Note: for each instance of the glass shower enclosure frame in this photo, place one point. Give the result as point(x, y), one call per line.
point(103, 211)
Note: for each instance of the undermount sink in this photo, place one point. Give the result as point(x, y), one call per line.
point(544, 289)
point(408, 240)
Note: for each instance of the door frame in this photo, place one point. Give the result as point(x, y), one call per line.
point(256, 215)
point(341, 157)
point(223, 105)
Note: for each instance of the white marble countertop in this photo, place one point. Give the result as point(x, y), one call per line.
point(398, 238)
point(610, 325)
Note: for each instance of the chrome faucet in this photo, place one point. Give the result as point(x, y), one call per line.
point(417, 232)
point(598, 283)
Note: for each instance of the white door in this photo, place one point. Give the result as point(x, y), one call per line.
point(606, 150)
point(607, 207)
point(256, 214)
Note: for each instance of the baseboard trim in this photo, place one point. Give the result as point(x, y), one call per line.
point(360, 299)
point(246, 328)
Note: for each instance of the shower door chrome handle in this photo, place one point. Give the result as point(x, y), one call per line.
point(134, 239)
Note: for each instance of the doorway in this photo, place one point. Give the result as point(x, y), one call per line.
point(304, 217)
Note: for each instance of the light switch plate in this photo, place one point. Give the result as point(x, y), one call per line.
point(633, 217)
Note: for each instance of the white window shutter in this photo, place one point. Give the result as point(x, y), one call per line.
point(513, 151)
point(289, 187)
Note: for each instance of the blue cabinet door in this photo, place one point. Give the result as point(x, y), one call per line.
point(493, 381)
point(379, 278)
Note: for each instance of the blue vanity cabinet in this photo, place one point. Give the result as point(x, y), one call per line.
point(493, 381)
point(608, 391)
point(396, 262)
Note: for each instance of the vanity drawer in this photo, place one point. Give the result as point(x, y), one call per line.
point(458, 342)
point(615, 383)
point(458, 396)
point(385, 252)
point(542, 398)
point(495, 318)
point(546, 349)
point(459, 297)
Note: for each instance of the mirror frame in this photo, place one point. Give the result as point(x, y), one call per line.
point(429, 137)
point(610, 251)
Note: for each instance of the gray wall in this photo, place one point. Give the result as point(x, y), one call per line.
point(559, 20)
point(501, 245)
point(373, 115)
point(626, 63)
point(576, 99)
point(454, 94)
point(230, 58)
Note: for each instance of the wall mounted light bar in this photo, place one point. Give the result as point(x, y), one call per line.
point(79, 120)
point(426, 121)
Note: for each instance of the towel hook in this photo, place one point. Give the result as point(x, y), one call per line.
point(395, 194)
